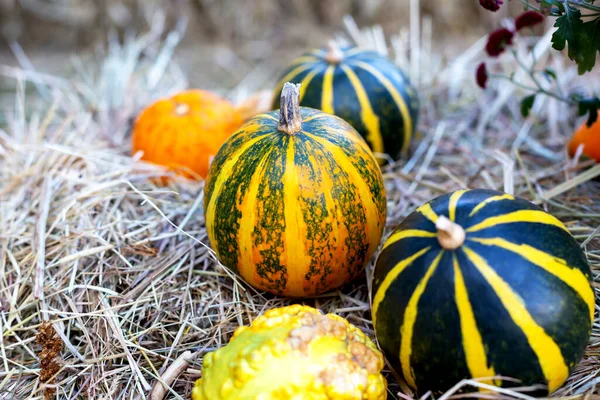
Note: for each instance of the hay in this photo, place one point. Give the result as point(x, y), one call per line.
point(122, 269)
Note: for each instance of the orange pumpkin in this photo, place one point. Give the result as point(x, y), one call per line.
point(185, 131)
point(590, 138)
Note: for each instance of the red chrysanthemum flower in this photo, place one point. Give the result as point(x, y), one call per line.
point(492, 5)
point(498, 40)
point(528, 18)
point(482, 75)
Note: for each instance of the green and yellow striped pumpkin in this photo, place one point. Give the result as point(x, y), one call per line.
point(295, 201)
point(478, 283)
point(362, 87)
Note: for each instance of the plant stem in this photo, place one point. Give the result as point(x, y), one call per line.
point(531, 73)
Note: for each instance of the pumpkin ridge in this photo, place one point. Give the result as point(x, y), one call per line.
point(410, 317)
point(405, 234)
point(347, 195)
point(305, 83)
point(558, 267)
point(529, 216)
point(293, 73)
point(369, 203)
point(219, 181)
point(224, 211)
point(267, 237)
point(400, 102)
point(338, 237)
point(472, 342)
point(295, 226)
point(327, 90)
point(247, 222)
point(542, 294)
point(547, 351)
point(428, 212)
point(489, 200)
point(453, 202)
point(391, 277)
point(369, 118)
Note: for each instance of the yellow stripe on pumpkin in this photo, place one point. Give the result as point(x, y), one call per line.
point(547, 351)
point(269, 116)
point(407, 234)
point(428, 212)
point(295, 227)
point(291, 75)
point(489, 200)
point(471, 338)
point(400, 102)
point(390, 277)
point(221, 180)
point(353, 136)
point(306, 81)
point(372, 217)
point(410, 317)
point(367, 115)
point(558, 267)
point(453, 202)
point(530, 216)
point(246, 261)
point(327, 94)
point(316, 116)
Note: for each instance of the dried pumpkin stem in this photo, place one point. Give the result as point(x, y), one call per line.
point(290, 120)
point(334, 54)
point(450, 235)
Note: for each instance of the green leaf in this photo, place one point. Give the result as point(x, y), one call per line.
point(526, 105)
point(589, 106)
point(583, 39)
point(569, 27)
point(591, 45)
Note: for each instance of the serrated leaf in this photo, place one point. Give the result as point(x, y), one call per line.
point(583, 39)
point(591, 33)
point(569, 26)
point(526, 105)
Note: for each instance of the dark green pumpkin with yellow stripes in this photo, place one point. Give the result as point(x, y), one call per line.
point(295, 201)
point(480, 284)
point(363, 88)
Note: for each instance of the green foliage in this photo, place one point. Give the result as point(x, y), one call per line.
point(582, 38)
point(526, 105)
point(590, 106)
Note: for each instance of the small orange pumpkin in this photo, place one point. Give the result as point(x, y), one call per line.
point(589, 137)
point(185, 131)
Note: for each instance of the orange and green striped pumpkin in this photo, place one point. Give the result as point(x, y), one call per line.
point(480, 284)
point(295, 201)
point(362, 87)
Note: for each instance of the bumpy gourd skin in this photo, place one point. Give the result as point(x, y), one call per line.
point(296, 353)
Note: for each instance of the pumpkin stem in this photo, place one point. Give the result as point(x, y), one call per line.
point(290, 120)
point(450, 235)
point(334, 54)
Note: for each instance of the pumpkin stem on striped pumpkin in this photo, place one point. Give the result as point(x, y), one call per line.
point(334, 54)
point(450, 234)
point(290, 120)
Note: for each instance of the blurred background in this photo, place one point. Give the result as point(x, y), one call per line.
point(224, 39)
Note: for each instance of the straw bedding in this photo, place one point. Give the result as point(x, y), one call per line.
point(122, 268)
